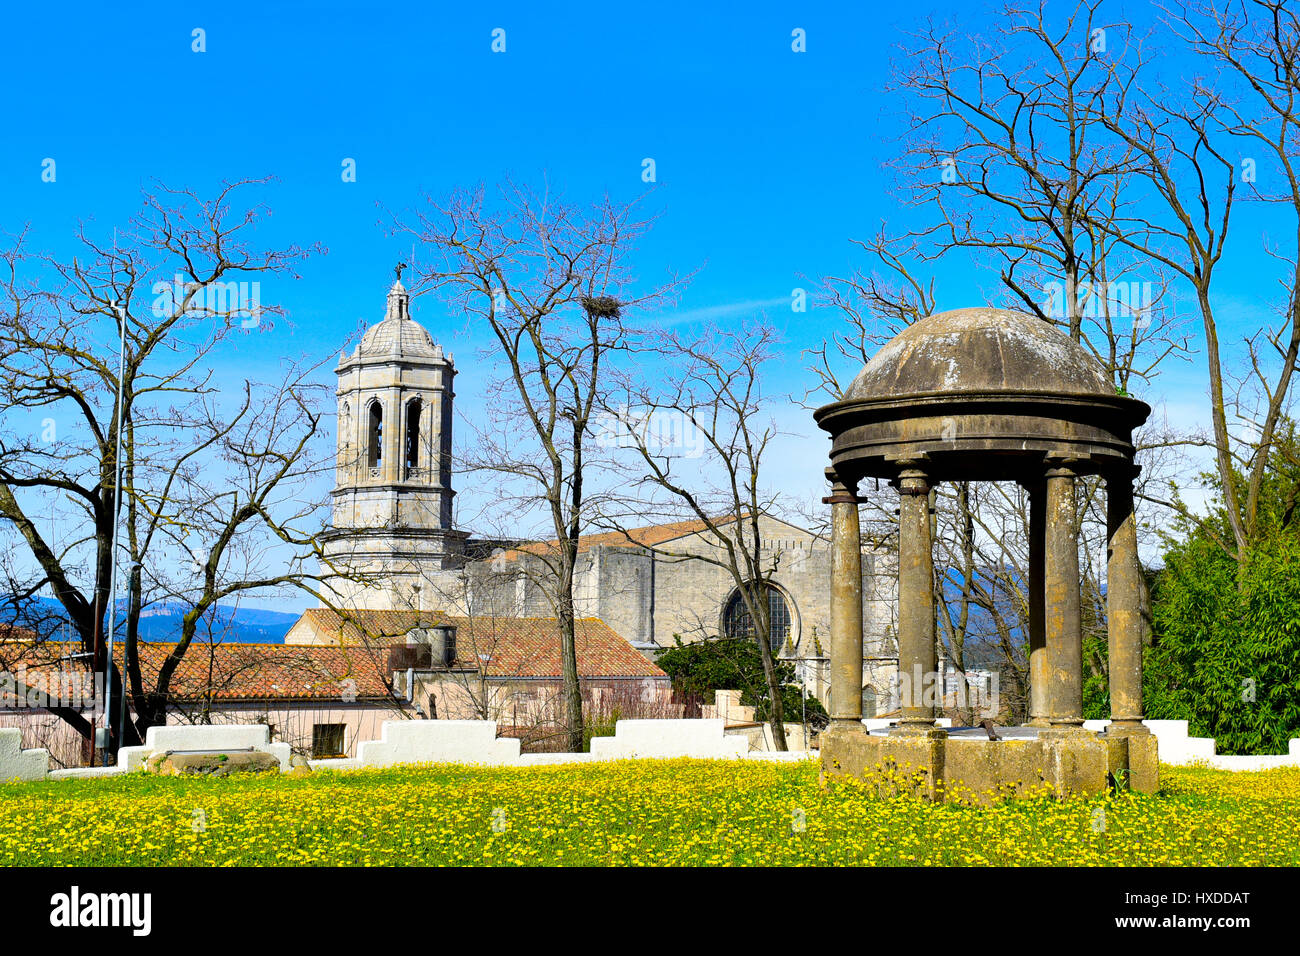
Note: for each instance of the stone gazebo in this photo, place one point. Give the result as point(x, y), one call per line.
point(989, 395)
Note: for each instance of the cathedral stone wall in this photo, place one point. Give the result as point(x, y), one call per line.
point(623, 582)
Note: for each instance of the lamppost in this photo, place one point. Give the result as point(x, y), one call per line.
point(132, 588)
point(117, 505)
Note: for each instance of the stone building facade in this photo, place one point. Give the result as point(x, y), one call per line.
point(656, 584)
point(394, 546)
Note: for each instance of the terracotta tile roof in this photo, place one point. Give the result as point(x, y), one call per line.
point(514, 647)
point(368, 626)
point(648, 536)
point(263, 671)
point(11, 632)
point(502, 649)
point(243, 671)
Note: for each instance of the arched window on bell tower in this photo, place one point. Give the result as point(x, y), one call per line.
point(375, 436)
point(413, 414)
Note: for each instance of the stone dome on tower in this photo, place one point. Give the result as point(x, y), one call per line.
point(398, 333)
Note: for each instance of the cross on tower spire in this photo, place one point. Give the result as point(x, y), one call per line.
point(399, 302)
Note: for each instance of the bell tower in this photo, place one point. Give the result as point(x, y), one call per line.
point(392, 515)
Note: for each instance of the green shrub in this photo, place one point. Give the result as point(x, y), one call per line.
point(599, 725)
point(1226, 650)
point(700, 668)
point(1225, 658)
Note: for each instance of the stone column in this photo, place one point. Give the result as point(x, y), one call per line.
point(1062, 628)
point(1038, 667)
point(1123, 607)
point(846, 608)
point(393, 429)
point(916, 648)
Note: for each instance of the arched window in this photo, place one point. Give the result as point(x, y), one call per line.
point(737, 621)
point(413, 409)
point(375, 439)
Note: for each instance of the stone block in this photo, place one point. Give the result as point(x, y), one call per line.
point(213, 764)
point(932, 765)
point(1144, 763)
point(669, 738)
point(982, 771)
point(81, 773)
point(204, 737)
point(439, 741)
point(894, 764)
point(1077, 762)
point(759, 735)
point(19, 764)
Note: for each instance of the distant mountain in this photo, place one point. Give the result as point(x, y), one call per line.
point(162, 622)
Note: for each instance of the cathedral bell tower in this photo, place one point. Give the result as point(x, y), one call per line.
point(392, 490)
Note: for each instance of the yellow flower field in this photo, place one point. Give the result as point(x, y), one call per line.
point(647, 813)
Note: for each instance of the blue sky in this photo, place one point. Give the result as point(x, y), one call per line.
point(768, 161)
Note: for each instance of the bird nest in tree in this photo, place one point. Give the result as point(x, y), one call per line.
point(601, 306)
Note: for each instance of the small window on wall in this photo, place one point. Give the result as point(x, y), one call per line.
point(413, 410)
point(327, 740)
point(375, 436)
point(738, 622)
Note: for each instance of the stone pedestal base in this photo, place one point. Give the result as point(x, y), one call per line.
point(1141, 760)
point(933, 765)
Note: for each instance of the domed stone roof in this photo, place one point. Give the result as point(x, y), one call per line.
point(398, 333)
point(401, 335)
point(980, 350)
point(983, 395)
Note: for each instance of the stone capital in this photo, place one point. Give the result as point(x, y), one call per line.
point(843, 490)
point(913, 480)
point(1061, 468)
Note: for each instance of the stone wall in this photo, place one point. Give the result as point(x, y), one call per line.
point(476, 742)
point(438, 741)
point(39, 729)
point(19, 764)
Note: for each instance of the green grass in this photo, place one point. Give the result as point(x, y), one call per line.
point(678, 812)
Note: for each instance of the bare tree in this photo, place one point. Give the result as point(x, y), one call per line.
point(1184, 138)
point(708, 393)
point(552, 281)
point(208, 484)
